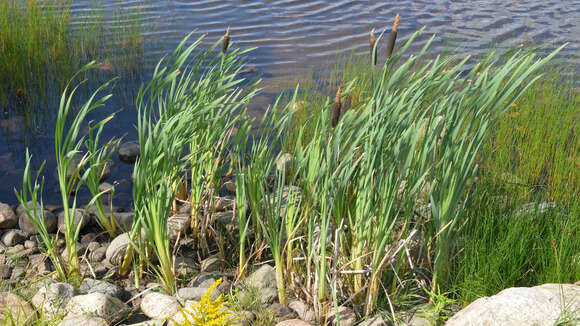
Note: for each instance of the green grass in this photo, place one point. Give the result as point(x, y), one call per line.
point(416, 131)
point(40, 51)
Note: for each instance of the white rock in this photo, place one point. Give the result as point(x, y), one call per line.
point(53, 297)
point(98, 304)
point(540, 305)
point(159, 306)
point(83, 320)
point(116, 248)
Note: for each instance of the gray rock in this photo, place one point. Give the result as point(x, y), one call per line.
point(224, 218)
point(97, 304)
point(5, 271)
point(293, 322)
point(246, 317)
point(268, 295)
point(346, 315)
point(26, 225)
point(90, 285)
point(374, 321)
point(83, 320)
point(159, 306)
point(541, 305)
point(76, 164)
point(29, 244)
point(195, 293)
point(185, 266)
point(128, 152)
point(533, 209)
point(17, 308)
point(178, 225)
point(7, 217)
point(53, 297)
point(105, 186)
point(79, 219)
point(116, 249)
point(304, 311)
point(282, 311)
point(210, 264)
point(202, 281)
point(13, 237)
point(18, 271)
point(97, 254)
point(263, 277)
point(39, 264)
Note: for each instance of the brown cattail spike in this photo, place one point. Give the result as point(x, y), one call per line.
point(336, 108)
point(393, 37)
point(226, 41)
point(373, 51)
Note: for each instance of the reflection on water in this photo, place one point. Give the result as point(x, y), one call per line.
point(293, 37)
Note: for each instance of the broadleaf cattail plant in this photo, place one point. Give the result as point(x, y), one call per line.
point(226, 41)
point(373, 51)
point(336, 108)
point(393, 37)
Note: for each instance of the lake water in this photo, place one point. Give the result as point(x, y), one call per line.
point(294, 37)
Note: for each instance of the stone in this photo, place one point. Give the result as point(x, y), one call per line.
point(8, 218)
point(268, 295)
point(178, 225)
point(159, 306)
point(124, 219)
point(97, 254)
point(52, 297)
point(224, 218)
point(39, 264)
point(293, 322)
point(195, 293)
point(13, 237)
point(105, 186)
point(284, 162)
point(282, 311)
point(374, 321)
point(97, 304)
point(29, 244)
point(185, 266)
point(76, 164)
point(263, 277)
point(107, 170)
point(304, 311)
point(534, 209)
point(79, 219)
point(16, 308)
point(116, 249)
point(18, 271)
point(202, 281)
point(210, 264)
point(90, 285)
point(346, 316)
point(540, 305)
point(83, 320)
point(26, 225)
point(128, 152)
point(224, 203)
point(245, 317)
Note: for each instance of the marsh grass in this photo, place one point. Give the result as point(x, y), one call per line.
point(40, 49)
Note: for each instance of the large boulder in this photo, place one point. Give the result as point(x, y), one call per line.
point(541, 305)
point(7, 217)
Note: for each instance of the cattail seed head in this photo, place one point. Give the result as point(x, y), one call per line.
point(393, 37)
point(336, 107)
point(373, 51)
point(226, 41)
